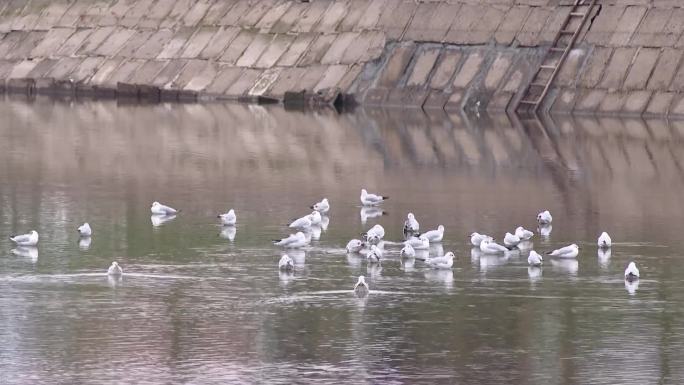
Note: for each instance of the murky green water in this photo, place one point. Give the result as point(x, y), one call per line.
point(196, 307)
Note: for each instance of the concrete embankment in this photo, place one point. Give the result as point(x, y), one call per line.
point(453, 55)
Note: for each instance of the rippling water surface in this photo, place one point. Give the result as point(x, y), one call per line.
point(204, 305)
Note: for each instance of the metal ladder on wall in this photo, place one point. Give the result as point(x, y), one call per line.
point(551, 64)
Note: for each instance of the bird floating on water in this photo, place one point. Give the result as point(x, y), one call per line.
point(631, 272)
point(286, 263)
point(511, 240)
point(523, 233)
point(160, 209)
point(411, 225)
point(293, 241)
point(115, 269)
point(371, 199)
point(375, 255)
point(407, 251)
point(374, 235)
point(477, 238)
point(305, 222)
point(322, 207)
point(445, 262)
point(490, 247)
point(420, 243)
point(604, 240)
point(565, 252)
point(361, 288)
point(435, 235)
point(544, 217)
point(29, 239)
point(84, 230)
point(354, 246)
point(534, 259)
point(229, 218)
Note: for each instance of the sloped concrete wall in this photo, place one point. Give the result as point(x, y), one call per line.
point(450, 54)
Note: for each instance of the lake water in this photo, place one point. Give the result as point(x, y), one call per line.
point(201, 305)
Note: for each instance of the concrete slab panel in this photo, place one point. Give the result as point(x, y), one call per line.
point(54, 38)
point(264, 82)
point(51, 15)
point(660, 103)
point(272, 16)
point(225, 77)
point(153, 46)
point(497, 71)
point(135, 42)
point(421, 22)
point(235, 49)
point(641, 69)
point(197, 12)
point(175, 17)
point(114, 42)
point(135, 14)
point(484, 30)
point(73, 14)
point(169, 73)
point(567, 76)
point(332, 16)
point(316, 50)
point(650, 31)
point(245, 82)
point(311, 16)
point(637, 101)
point(338, 47)
point(233, 14)
point(93, 15)
point(105, 70)
point(565, 101)
point(123, 72)
point(74, 42)
point(612, 103)
point(116, 11)
point(530, 31)
point(274, 51)
point(627, 25)
point(198, 41)
point(603, 27)
point(347, 81)
point(589, 100)
point(617, 67)
point(95, 40)
point(190, 71)
point(22, 69)
point(445, 69)
point(463, 23)
point(395, 18)
point(424, 63)
point(11, 40)
point(63, 68)
point(553, 24)
point(28, 44)
point(175, 46)
point(254, 50)
point(593, 71)
point(296, 50)
point(331, 77)
point(258, 9)
point(288, 80)
point(470, 68)
point(356, 10)
point(88, 67)
point(312, 77)
point(42, 68)
point(366, 47)
point(396, 65)
point(202, 79)
point(156, 14)
point(289, 18)
point(511, 24)
point(219, 42)
point(678, 81)
point(148, 71)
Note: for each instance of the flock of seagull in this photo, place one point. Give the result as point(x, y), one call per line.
point(371, 245)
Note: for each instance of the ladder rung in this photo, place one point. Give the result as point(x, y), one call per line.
point(556, 49)
point(567, 32)
point(529, 102)
point(578, 14)
point(548, 67)
point(537, 84)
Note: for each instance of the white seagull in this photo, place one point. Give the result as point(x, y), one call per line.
point(375, 255)
point(535, 259)
point(631, 273)
point(491, 247)
point(322, 207)
point(30, 239)
point(445, 262)
point(371, 199)
point(84, 230)
point(294, 241)
point(407, 252)
point(477, 238)
point(604, 240)
point(565, 252)
point(316, 218)
point(544, 217)
point(354, 246)
point(523, 233)
point(286, 263)
point(115, 269)
point(302, 223)
point(229, 218)
point(420, 243)
point(159, 209)
point(511, 240)
point(435, 235)
point(411, 225)
point(361, 287)
point(374, 235)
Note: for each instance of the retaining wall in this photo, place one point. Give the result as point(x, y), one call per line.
point(457, 54)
